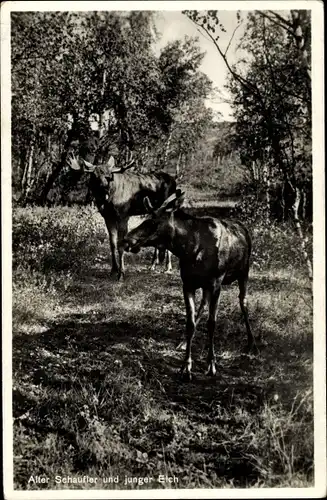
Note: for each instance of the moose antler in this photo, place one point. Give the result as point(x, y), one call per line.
point(73, 162)
point(128, 165)
point(148, 205)
point(178, 194)
point(130, 162)
point(175, 196)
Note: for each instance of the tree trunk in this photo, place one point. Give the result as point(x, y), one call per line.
point(183, 163)
point(254, 171)
point(282, 202)
point(30, 169)
point(297, 18)
point(178, 163)
point(101, 131)
point(167, 148)
point(49, 144)
point(304, 204)
point(101, 114)
point(298, 226)
point(27, 176)
point(146, 152)
point(23, 181)
point(266, 180)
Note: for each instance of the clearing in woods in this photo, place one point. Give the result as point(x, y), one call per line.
point(95, 370)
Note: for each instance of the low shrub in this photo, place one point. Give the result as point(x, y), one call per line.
point(275, 243)
point(56, 239)
point(63, 240)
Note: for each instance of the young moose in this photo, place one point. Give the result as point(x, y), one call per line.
point(211, 253)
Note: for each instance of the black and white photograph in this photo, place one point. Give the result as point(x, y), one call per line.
point(163, 232)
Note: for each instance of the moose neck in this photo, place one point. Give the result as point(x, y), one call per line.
point(180, 239)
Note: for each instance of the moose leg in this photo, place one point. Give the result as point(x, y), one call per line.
point(122, 231)
point(169, 267)
point(213, 308)
point(113, 238)
point(189, 297)
point(204, 302)
point(155, 259)
point(242, 283)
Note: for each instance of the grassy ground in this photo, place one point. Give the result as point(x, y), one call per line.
point(95, 369)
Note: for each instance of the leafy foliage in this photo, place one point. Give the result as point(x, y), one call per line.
point(71, 69)
point(270, 86)
point(274, 124)
point(271, 93)
point(56, 239)
point(226, 141)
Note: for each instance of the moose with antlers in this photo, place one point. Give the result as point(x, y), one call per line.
point(212, 252)
point(119, 193)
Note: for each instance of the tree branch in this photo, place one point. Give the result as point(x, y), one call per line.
point(286, 27)
point(239, 78)
point(198, 29)
point(231, 39)
point(282, 19)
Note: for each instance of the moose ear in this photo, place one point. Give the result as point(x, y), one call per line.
point(176, 203)
point(111, 162)
point(89, 167)
point(147, 204)
point(73, 162)
point(180, 198)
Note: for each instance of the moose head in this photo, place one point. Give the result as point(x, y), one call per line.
point(104, 171)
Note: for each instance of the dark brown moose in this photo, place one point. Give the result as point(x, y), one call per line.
point(119, 195)
point(211, 253)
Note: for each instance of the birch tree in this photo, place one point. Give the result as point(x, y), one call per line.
point(271, 94)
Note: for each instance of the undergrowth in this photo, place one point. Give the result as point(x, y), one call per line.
point(95, 369)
